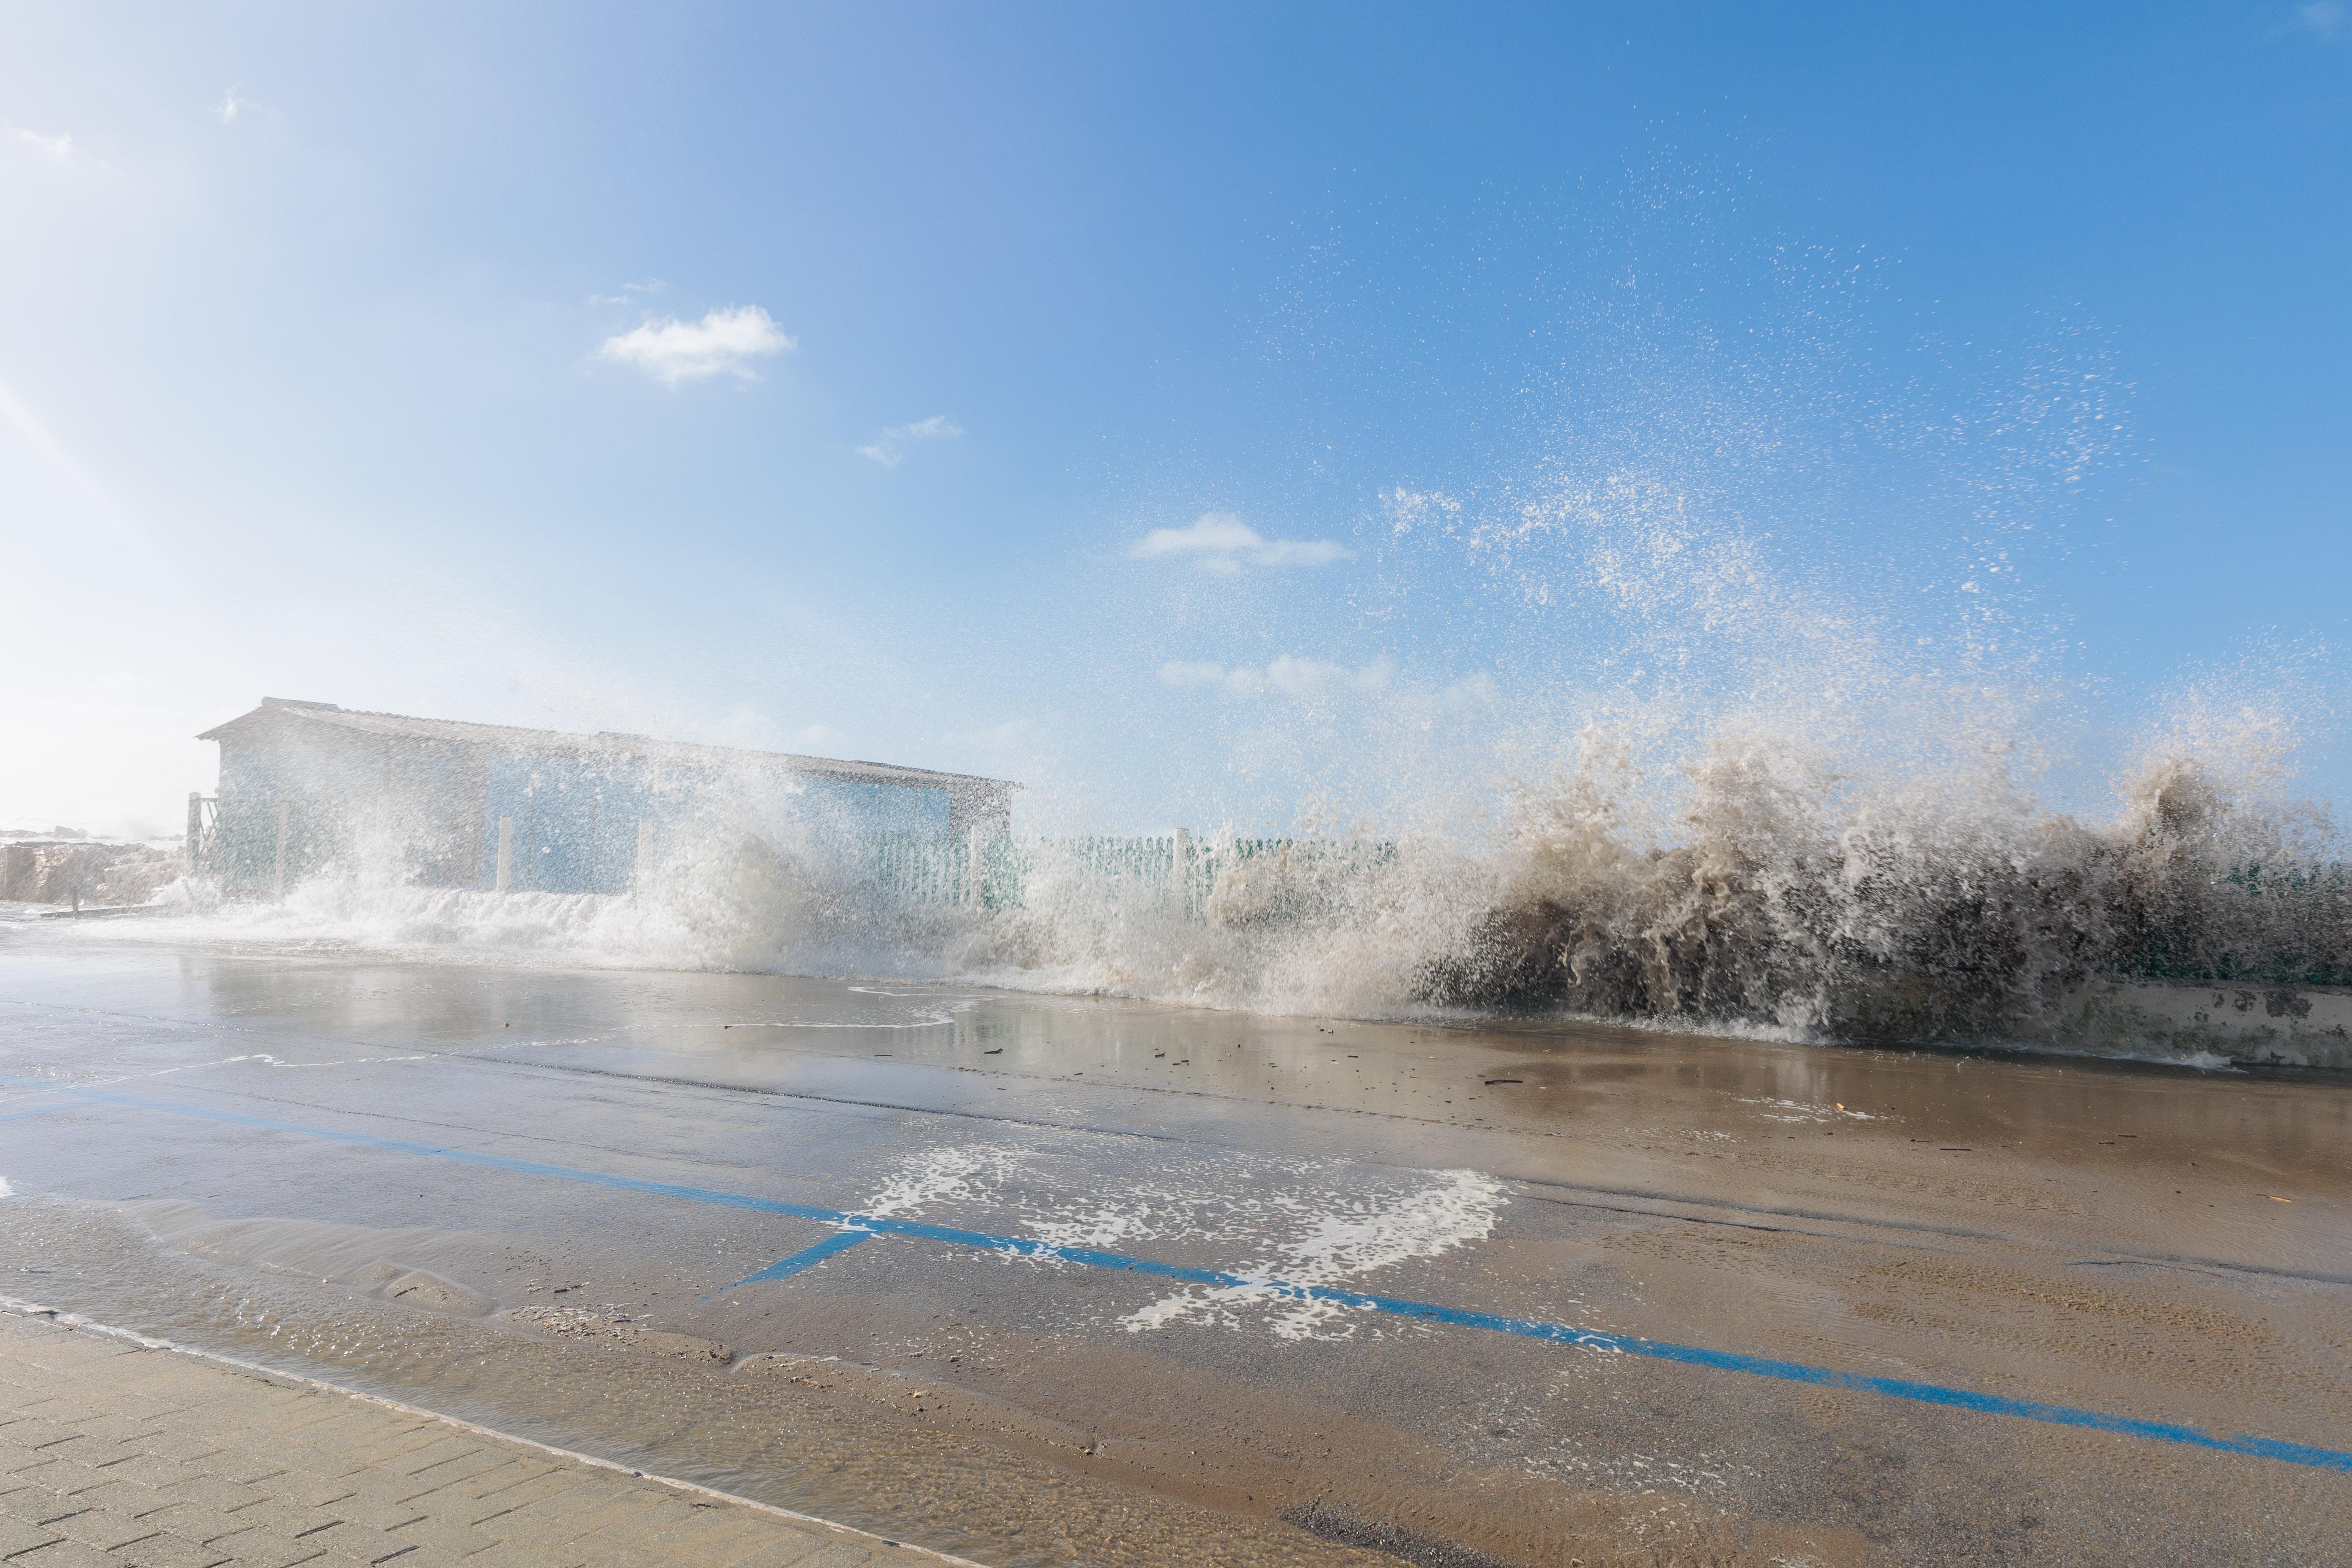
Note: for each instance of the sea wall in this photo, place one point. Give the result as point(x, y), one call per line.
point(2281, 1026)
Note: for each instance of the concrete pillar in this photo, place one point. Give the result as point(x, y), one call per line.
point(285, 817)
point(506, 853)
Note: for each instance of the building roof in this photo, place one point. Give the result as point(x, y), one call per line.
point(278, 715)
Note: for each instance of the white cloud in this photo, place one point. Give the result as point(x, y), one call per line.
point(1220, 541)
point(673, 351)
point(647, 285)
point(59, 146)
point(233, 106)
point(888, 447)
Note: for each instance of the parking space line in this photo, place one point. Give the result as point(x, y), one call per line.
point(861, 1226)
point(807, 1257)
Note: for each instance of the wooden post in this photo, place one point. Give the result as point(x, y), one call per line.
point(506, 853)
point(285, 815)
point(195, 831)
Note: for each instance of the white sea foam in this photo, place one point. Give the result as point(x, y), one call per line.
point(1281, 1224)
point(1335, 1242)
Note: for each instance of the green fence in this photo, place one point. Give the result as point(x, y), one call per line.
point(998, 872)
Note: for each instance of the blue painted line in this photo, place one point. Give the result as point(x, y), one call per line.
point(857, 1227)
point(807, 1257)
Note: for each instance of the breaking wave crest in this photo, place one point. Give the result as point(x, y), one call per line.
point(1768, 892)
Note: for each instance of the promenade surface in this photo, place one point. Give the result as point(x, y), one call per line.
point(117, 1454)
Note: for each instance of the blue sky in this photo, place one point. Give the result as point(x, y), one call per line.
point(1193, 414)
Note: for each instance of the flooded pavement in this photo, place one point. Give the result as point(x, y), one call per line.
point(1049, 1280)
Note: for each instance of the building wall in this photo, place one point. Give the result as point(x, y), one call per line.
point(431, 811)
point(574, 823)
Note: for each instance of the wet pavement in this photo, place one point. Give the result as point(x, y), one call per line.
point(1038, 1279)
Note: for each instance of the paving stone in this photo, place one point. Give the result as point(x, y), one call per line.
point(785, 1549)
point(111, 1428)
point(402, 1435)
point(63, 1554)
point(103, 1527)
point(518, 1554)
point(426, 1557)
point(281, 1514)
point(517, 1494)
point(709, 1536)
point(667, 1514)
point(444, 1536)
point(433, 1455)
point(165, 1550)
point(178, 1446)
point(244, 1467)
point(22, 1535)
point(146, 1470)
point(66, 1476)
point(373, 1514)
point(383, 1486)
point(126, 1498)
point(214, 1492)
point(268, 1549)
point(208, 1467)
point(32, 1433)
point(307, 1492)
point(197, 1523)
point(841, 1554)
point(38, 1505)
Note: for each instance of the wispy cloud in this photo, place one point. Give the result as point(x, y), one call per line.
point(2321, 19)
point(59, 147)
point(1221, 541)
point(234, 106)
point(888, 448)
point(723, 342)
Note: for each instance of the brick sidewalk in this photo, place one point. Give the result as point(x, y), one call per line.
point(114, 1454)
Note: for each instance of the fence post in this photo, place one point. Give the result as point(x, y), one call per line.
point(278, 879)
point(506, 853)
point(975, 868)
